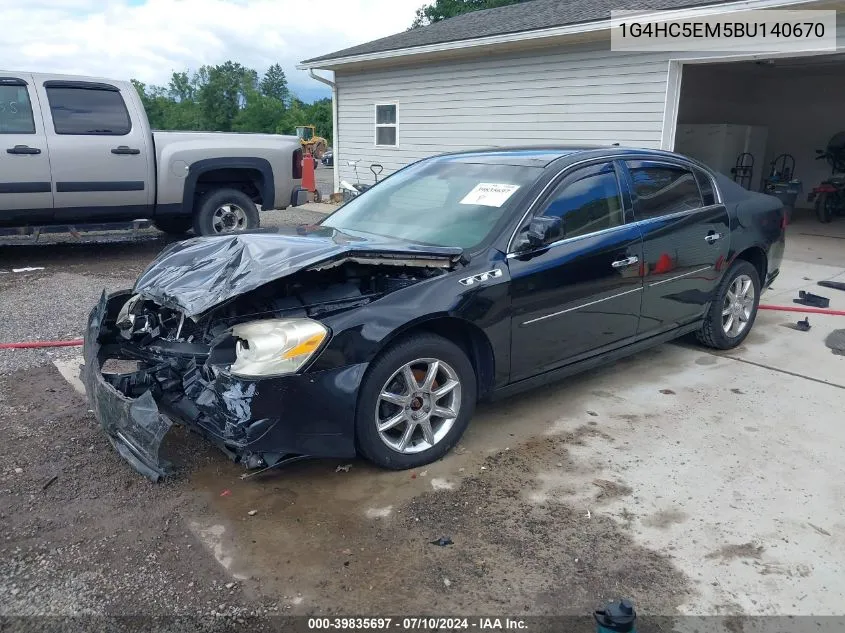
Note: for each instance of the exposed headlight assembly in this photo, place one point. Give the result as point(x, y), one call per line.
point(274, 347)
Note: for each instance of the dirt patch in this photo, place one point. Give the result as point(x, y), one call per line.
point(664, 519)
point(611, 489)
point(730, 552)
point(100, 539)
point(706, 360)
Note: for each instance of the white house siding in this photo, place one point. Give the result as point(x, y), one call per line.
point(583, 94)
point(563, 94)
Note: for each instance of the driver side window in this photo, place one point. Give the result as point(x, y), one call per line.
point(586, 201)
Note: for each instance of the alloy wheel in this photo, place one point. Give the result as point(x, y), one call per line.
point(418, 405)
point(738, 306)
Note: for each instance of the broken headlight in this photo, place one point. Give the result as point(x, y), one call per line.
point(275, 346)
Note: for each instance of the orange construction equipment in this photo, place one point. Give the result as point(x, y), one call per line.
point(309, 182)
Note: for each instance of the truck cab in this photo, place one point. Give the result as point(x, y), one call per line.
point(79, 150)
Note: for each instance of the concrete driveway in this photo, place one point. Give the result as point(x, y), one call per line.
point(693, 482)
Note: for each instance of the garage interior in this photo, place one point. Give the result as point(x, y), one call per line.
point(772, 107)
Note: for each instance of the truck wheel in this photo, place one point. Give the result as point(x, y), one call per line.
point(173, 226)
point(415, 402)
point(225, 211)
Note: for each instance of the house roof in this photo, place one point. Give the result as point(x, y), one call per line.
point(525, 16)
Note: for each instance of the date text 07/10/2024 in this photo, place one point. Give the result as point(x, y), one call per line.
point(417, 623)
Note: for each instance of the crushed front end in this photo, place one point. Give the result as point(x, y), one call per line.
point(147, 370)
point(238, 373)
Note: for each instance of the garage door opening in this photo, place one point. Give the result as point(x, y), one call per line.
point(761, 122)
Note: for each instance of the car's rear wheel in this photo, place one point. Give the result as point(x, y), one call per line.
point(734, 308)
point(415, 402)
point(225, 211)
point(173, 226)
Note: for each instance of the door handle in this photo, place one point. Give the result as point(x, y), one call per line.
point(710, 238)
point(123, 149)
point(628, 261)
point(23, 149)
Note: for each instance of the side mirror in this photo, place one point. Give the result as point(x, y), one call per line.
point(541, 231)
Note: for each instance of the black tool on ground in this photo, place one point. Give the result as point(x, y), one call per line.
point(616, 617)
point(443, 541)
point(809, 299)
point(376, 169)
point(803, 326)
point(743, 170)
point(836, 285)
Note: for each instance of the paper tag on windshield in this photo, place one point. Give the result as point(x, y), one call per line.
point(489, 194)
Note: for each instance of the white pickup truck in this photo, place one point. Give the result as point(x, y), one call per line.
point(77, 150)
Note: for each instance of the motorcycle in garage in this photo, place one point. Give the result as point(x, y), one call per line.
point(829, 195)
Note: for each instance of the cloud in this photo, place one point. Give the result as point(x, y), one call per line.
point(148, 40)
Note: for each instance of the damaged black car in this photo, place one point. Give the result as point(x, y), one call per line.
point(459, 278)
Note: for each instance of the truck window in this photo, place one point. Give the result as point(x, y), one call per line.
point(15, 110)
point(88, 111)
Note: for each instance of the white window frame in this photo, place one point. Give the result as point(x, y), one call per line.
point(377, 125)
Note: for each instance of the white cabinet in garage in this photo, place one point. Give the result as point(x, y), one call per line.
point(719, 144)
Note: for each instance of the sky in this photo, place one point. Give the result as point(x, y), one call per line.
point(150, 39)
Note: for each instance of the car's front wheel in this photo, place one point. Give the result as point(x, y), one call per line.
point(733, 309)
point(415, 402)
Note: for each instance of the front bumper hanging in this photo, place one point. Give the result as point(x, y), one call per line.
point(258, 423)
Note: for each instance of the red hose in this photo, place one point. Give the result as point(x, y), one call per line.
point(37, 344)
point(808, 310)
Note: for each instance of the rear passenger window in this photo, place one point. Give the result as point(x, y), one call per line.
point(587, 201)
point(88, 111)
point(15, 108)
point(663, 189)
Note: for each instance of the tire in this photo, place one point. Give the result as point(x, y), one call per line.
point(224, 212)
point(386, 374)
point(173, 226)
point(823, 208)
point(713, 332)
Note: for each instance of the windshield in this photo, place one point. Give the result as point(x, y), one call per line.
point(439, 202)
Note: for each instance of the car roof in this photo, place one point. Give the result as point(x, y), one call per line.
point(543, 155)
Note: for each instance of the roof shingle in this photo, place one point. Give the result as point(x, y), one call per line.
point(514, 18)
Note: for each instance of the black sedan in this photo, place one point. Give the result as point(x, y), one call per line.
point(459, 278)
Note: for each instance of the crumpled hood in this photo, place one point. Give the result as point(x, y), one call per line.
point(200, 273)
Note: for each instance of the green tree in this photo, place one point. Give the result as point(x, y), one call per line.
point(275, 84)
point(444, 9)
point(260, 114)
point(230, 97)
point(222, 93)
point(182, 87)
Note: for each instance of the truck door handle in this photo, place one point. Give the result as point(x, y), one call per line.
point(23, 149)
point(710, 238)
point(628, 261)
point(123, 149)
